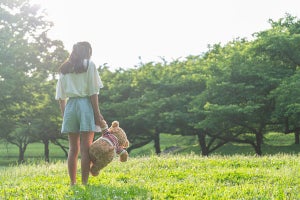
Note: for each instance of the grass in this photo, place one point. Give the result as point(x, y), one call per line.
point(9, 153)
point(232, 172)
point(274, 143)
point(164, 177)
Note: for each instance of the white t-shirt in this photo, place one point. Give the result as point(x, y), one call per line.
point(79, 84)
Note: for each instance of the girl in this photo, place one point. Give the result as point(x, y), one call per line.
point(77, 91)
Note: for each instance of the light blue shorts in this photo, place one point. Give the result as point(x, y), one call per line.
point(78, 116)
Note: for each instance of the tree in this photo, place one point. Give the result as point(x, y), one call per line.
point(280, 45)
point(51, 55)
point(235, 103)
point(287, 107)
point(24, 55)
point(121, 99)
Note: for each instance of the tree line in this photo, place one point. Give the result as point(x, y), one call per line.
point(235, 92)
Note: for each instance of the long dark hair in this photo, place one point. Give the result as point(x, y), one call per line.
point(74, 64)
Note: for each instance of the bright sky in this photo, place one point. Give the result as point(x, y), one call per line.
point(121, 31)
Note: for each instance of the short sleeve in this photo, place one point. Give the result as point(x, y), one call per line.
point(60, 93)
point(94, 80)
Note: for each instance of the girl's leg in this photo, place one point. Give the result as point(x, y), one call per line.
point(74, 147)
point(85, 143)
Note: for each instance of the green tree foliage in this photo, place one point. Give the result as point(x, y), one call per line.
point(280, 45)
point(119, 100)
point(228, 100)
point(286, 115)
point(27, 58)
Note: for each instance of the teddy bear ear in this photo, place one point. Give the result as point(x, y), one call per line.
point(115, 124)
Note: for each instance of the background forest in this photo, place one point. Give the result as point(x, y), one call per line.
point(236, 92)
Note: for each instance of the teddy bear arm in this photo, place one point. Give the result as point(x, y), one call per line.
point(126, 145)
point(124, 156)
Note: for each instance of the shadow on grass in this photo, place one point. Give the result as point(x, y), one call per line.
point(284, 149)
point(267, 149)
point(10, 161)
point(106, 192)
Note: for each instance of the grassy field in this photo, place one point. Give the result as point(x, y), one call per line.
point(232, 172)
point(163, 177)
point(9, 153)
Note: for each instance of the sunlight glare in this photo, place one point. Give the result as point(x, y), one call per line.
point(121, 32)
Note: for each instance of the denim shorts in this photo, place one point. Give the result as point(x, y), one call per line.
point(78, 116)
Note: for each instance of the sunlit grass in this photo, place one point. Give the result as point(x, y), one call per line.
point(164, 177)
point(232, 172)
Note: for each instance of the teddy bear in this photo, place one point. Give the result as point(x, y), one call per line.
point(102, 151)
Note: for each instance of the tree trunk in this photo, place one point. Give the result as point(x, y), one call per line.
point(202, 143)
point(62, 147)
point(157, 143)
point(46, 149)
point(297, 139)
point(259, 140)
point(21, 154)
point(137, 145)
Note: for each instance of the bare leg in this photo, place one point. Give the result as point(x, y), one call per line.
point(74, 147)
point(86, 141)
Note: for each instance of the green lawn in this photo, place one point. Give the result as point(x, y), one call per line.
point(164, 177)
point(232, 172)
point(9, 153)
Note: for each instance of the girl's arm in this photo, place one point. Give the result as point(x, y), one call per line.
point(62, 105)
point(99, 119)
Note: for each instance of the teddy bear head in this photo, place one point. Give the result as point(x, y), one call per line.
point(119, 133)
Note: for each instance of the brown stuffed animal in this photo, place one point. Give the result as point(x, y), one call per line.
point(103, 150)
